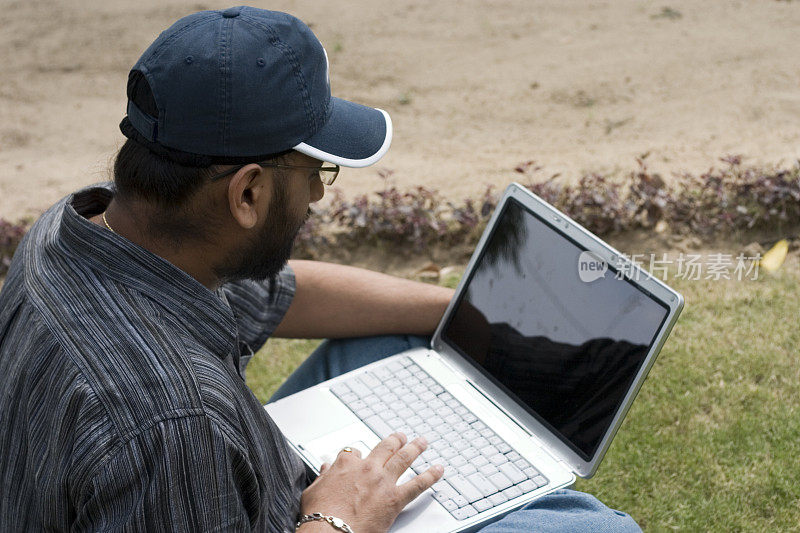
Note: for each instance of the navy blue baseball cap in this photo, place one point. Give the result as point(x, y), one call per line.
point(242, 85)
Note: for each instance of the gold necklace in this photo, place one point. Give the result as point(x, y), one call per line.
point(107, 224)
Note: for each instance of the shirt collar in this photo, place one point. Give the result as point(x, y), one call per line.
point(206, 315)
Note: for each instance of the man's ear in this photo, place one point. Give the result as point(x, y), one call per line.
point(249, 194)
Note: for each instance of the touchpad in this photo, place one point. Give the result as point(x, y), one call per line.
point(310, 414)
point(325, 449)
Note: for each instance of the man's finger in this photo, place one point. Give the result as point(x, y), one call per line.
point(324, 467)
point(402, 459)
point(386, 448)
point(419, 484)
point(347, 453)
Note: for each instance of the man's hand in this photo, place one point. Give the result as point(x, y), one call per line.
point(364, 491)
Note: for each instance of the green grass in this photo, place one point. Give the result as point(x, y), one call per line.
point(712, 443)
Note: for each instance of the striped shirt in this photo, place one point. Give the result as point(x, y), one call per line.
point(123, 404)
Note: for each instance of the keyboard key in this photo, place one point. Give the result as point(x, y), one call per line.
point(540, 481)
point(450, 505)
point(430, 454)
point(469, 453)
point(369, 380)
point(478, 443)
point(382, 373)
point(448, 452)
point(364, 413)
point(489, 451)
point(443, 491)
point(461, 427)
point(513, 456)
point(482, 483)
point(467, 469)
point(407, 414)
point(420, 468)
point(527, 486)
point(412, 420)
point(467, 489)
point(405, 361)
point(371, 399)
point(486, 432)
point(458, 461)
point(436, 422)
point(522, 464)
point(359, 388)
point(452, 403)
point(497, 499)
point(439, 445)
point(422, 411)
point(409, 398)
point(498, 459)
point(451, 436)
point(530, 472)
point(512, 492)
point(469, 418)
point(500, 481)
point(349, 397)
point(478, 425)
point(487, 469)
point(445, 396)
point(357, 405)
point(513, 473)
point(503, 447)
point(480, 460)
point(394, 367)
point(460, 501)
point(464, 513)
point(424, 429)
point(340, 389)
point(444, 412)
point(460, 445)
point(482, 505)
point(376, 424)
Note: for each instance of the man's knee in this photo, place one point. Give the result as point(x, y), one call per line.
point(565, 511)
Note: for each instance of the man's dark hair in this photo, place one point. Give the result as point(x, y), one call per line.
point(163, 176)
point(140, 173)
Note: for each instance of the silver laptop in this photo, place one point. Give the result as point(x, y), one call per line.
point(534, 365)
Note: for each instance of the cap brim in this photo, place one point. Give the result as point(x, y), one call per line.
point(354, 135)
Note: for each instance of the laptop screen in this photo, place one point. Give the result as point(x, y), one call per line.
point(567, 346)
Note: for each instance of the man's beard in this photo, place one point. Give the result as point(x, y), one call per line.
point(265, 255)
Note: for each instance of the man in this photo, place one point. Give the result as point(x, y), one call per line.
point(130, 311)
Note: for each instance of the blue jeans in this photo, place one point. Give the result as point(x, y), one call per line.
point(562, 510)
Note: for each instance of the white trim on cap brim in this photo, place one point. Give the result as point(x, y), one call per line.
point(316, 153)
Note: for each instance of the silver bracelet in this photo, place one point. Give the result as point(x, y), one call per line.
point(336, 523)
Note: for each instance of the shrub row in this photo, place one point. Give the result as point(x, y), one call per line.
point(732, 197)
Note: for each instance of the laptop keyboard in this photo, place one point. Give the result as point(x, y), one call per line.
point(481, 470)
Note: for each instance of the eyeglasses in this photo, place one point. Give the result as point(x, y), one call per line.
point(326, 174)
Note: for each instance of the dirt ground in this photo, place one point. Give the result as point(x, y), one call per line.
point(473, 87)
